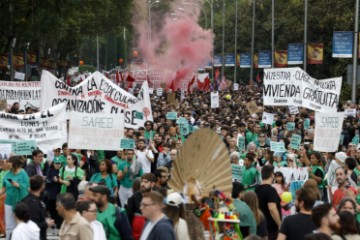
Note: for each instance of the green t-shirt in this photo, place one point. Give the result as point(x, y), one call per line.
point(70, 172)
point(251, 137)
point(110, 181)
point(101, 154)
point(129, 177)
point(107, 219)
point(62, 158)
point(149, 134)
point(14, 194)
point(247, 218)
point(2, 174)
point(250, 176)
point(116, 160)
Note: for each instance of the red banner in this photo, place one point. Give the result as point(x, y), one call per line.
point(315, 53)
point(280, 58)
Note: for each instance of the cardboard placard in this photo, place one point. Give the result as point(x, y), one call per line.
point(252, 107)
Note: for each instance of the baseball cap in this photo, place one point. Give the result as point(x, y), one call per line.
point(57, 160)
point(174, 199)
point(101, 189)
point(341, 156)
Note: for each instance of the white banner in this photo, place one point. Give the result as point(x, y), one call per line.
point(328, 128)
point(159, 92)
point(101, 131)
point(47, 128)
point(267, 118)
point(140, 112)
point(293, 174)
point(294, 87)
point(281, 87)
point(93, 95)
point(321, 95)
point(215, 100)
point(293, 110)
point(350, 112)
point(27, 94)
point(5, 151)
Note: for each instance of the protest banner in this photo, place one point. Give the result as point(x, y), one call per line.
point(5, 151)
point(95, 131)
point(97, 94)
point(241, 143)
point(159, 92)
point(85, 97)
point(127, 143)
point(236, 86)
point(142, 105)
point(293, 174)
point(281, 87)
point(170, 98)
point(293, 110)
point(350, 112)
point(267, 118)
point(294, 87)
point(20, 147)
point(48, 128)
point(151, 91)
point(236, 172)
point(295, 141)
point(215, 100)
point(277, 146)
point(27, 94)
point(252, 107)
point(328, 128)
point(290, 126)
point(171, 115)
point(19, 75)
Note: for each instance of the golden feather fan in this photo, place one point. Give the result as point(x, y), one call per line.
point(204, 157)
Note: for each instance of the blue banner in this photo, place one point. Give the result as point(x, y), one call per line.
point(265, 59)
point(217, 61)
point(229, 60)
point(342, 44)
point(245, 60)
point(295, 53)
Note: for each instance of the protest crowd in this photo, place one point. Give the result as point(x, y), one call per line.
point(288, 191)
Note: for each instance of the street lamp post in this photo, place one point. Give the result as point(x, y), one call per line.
point(354, 73)
point(235, 51)
point(150, 3)
point(211, 4)
point(223, 41)
point(252, 42)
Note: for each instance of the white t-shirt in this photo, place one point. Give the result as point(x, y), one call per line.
point(181, 230)
point(145, 163)
point(147, 230)
point(26, 231)
point(98, 230)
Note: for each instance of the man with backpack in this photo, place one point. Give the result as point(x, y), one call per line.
point(114, 219)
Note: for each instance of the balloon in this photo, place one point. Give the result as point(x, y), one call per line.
point(121, 60)
point(135, 53)
point(228, 97)
point(286, 197)
point(81, 63)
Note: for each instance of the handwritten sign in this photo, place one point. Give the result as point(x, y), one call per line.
point(171, 115)
point(241, 143)
point(295, 141)
point(127, 143)
point(277, 146)
point(267, 118)
point(236, 172)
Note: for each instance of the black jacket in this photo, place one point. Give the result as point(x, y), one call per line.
point(133, 206)
point(31, 169)
point(163, 230)
point(52, 188)
point(37, 213)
